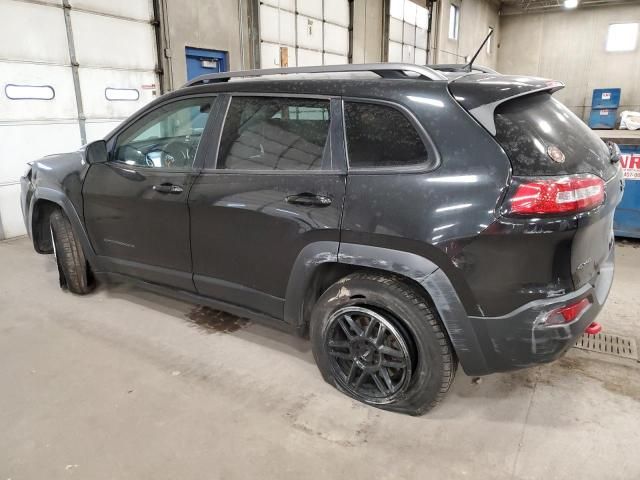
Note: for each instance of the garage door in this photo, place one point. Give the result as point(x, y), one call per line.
point(318, 34)
point(408, 24)
point(43, 108)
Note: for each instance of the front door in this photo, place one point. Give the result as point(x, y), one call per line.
point(277, 186)
point(135, 205)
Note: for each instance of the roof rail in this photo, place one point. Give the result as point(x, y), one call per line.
point(459, 67)
point(385, 70)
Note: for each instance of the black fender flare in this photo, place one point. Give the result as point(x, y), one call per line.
point(423, 271)
point(60, 199)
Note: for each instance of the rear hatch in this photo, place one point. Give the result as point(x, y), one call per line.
point(546, 142)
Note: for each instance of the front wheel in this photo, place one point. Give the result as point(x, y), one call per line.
point(72, 265)
point(376, 339)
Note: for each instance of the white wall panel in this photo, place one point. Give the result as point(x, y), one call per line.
point(305, 32)
point(10, 212)
point(277, 26)
point(94, 81)
point(421, 37)
point(408, 54)
point(309, 57)
point(410, 12)
point(310, 8)
point(25, 142)
point(337, 11)
point(106, 41)
point(409, 34)
point(395, 29)
point(309, 32)
point(332, 59)
point(396, 9)
point(97, 130)
point(287, 4)
point(32, 32)
point(422, 17)
point(138, 9)
point(336, 39)
point(395, 52)
point(63, 105)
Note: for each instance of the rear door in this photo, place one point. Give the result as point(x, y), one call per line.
point(275, 186)
point(135, 205)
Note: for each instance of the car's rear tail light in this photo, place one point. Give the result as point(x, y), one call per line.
point(556, 195)
point(568, 313)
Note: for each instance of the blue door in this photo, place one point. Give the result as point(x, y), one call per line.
point(201, 61)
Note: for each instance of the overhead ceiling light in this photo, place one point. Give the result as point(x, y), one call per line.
point(570, 3)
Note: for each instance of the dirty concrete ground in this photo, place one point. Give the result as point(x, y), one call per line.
point(125, 384)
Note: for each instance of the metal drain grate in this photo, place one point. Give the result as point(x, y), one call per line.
point(624, 347)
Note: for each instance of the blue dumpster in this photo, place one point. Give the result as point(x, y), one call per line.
point(626, 221)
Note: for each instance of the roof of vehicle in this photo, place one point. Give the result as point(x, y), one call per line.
point(382, 70)
point(478, 93)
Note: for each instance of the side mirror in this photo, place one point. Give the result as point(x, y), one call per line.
point(96, 152)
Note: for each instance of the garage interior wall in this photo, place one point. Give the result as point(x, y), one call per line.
point(222, 25)
point(570, 46)
point(476, 16)
point(68, 75)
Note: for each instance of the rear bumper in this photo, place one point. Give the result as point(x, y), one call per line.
point(519, 339)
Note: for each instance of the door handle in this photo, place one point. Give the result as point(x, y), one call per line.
point(168, 188)
point(309, 200)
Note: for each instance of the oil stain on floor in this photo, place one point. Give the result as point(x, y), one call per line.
point(209, 320)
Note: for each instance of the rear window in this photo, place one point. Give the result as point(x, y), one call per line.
point(527, 126)
point(380, 136)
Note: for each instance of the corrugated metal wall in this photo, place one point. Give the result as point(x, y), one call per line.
point(69, 72)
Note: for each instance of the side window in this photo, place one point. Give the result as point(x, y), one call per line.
point(263, 133)
point(167, 137)
point(381, 136)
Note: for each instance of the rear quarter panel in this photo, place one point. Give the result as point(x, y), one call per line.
point(435, 214)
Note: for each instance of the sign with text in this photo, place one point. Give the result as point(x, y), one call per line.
point(630, 163)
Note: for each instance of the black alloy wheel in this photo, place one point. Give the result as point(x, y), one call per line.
point(369, 354)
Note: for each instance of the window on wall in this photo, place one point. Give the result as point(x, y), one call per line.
point(454, 22)
point(408, 29)
point(622, 37)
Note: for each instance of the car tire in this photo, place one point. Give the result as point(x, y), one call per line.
point(72, 265)
point(413, 348)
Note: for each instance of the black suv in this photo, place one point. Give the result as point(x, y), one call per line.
point(405, 222)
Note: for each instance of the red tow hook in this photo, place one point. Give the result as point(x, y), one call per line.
point(594, 328)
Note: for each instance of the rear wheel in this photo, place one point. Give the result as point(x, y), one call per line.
point(376, 339)
point(72, 265)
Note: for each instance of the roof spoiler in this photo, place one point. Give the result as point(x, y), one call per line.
point(481, 94)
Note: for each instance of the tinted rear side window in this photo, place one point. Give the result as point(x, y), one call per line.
point(262, 133)
point(380, 136)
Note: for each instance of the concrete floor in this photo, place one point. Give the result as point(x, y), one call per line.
point(126, 384)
